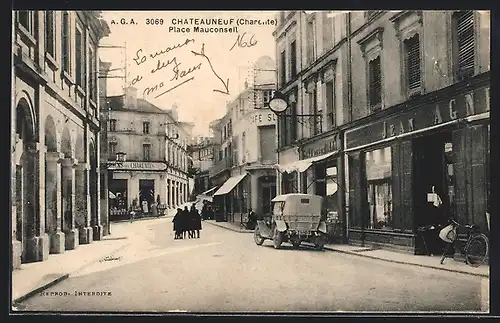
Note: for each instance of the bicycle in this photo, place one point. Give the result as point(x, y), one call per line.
point(476, 248)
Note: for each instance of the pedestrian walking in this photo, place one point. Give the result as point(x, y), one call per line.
point(196, 220)
point(204, 210)
point(178, 224)
point(187, 223)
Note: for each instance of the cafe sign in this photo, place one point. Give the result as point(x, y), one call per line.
point(460, 106)
point(138, 166)
point(321, 147)
point(263, 119)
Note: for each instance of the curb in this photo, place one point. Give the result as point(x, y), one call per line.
point(408, 263)
point(141, 219)
point(377, 258)
point(61, 278)
point(228, 228)
point(39, 289)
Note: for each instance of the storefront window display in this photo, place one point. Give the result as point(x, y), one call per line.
point(379, 186)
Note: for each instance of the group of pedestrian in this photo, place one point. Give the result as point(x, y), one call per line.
point(187, 223)
point(207, 212)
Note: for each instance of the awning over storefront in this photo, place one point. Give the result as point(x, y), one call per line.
point(207, 192)
point(230, 184)
point(302, 165)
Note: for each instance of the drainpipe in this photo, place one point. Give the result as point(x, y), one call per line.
point(345, 231)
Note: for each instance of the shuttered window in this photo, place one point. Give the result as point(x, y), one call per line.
point(330, 106)
point(293, 58)
point(311, 54)
point(65, 43)
point(412, 58)
point(80, 58)
point(464, 33)
point(375, 85)
point(327, 31)
point(49, 33)
point(283, 68)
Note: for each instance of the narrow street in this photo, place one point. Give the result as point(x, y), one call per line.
point(226, 271)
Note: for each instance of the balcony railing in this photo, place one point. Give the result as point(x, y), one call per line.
point(220, 165)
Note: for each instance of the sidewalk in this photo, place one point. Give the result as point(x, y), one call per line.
point(34, 277)
point(388, 255)
point(228, 225)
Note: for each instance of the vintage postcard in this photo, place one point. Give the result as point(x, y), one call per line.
point(250, 161)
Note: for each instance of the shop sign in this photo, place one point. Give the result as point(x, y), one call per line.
point(460, 106)
point(322, 147)
point(263, 118)
point(130, 165)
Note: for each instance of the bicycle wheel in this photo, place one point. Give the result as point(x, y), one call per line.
point(476, 250)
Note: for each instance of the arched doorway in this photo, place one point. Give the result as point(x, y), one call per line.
point(26, 193)
point(93, 191)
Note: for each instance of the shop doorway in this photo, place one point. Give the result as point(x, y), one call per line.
point(147, 192)
point(432, 173)
point(117, 198)
point(268, 192)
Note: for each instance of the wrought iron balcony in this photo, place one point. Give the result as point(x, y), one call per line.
point(220, 166)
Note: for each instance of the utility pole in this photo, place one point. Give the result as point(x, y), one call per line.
point(103, 136)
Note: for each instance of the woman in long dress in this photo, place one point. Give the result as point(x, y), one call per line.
point(178, 224)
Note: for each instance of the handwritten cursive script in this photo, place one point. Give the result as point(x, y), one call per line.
point(225, 84)
point(140, 58)
point(241, 41)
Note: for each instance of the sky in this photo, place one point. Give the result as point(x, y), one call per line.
point(191, 85)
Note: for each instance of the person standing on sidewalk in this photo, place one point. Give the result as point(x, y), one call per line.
point(178, 224)
point(187, 223)
point(196, 220)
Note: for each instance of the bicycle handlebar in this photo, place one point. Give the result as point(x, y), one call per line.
point(468, 226)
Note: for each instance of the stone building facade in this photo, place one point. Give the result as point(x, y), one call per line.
point(154, 145)
point(411, 106)
point(55, 128)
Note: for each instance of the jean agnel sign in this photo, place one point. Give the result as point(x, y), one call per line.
point(461, 106)
point(131, 165)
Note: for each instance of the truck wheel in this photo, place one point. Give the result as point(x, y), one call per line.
point(257, 237)
point(296, 242)
point(277, 238)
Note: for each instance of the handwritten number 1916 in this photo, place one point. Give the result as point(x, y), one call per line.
point(242, 42)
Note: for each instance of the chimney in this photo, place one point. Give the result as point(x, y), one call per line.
point(131, 97)
point(174, 112)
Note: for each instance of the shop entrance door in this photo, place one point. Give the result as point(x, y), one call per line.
point(268, 192)
point(147, 192)
point(433, 171)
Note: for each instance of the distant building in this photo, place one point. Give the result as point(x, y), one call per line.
point(148, 146)
point(55, 128)
point(201, 153)
point(245, 152)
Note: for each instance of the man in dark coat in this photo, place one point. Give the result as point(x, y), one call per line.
point(178, 224)
point(196, 220)
point(187, 222)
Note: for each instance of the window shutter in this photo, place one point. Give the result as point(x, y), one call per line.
point(355, 191)
point(327, 31)
point(375, 82)
point(397, 203)
point(413, 62)
point(459, 167)
point(406, 177)
point(465, 43)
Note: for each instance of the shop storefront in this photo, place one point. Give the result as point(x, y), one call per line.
point(399, 163)
point(325, 178)
point(320, 172)
point(232, 198)
point(138, 185)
